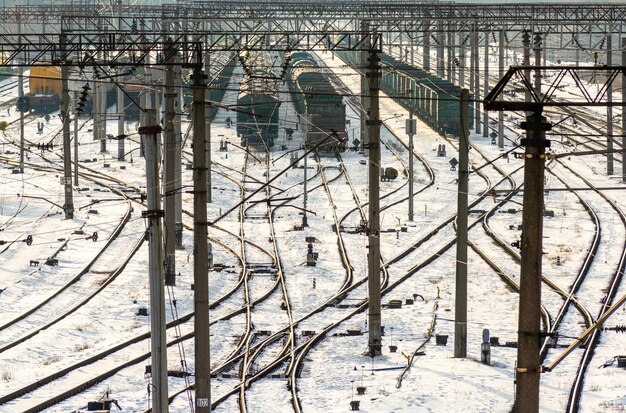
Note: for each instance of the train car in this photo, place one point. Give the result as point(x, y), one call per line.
point(219, 81)
point(434, 100)
point(221, 71)
point(258, 102)
point(44, 89)
point(318, 104)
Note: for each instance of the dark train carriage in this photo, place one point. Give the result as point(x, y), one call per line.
point(257, 118)
point(44, 93)
point(434, 100)
point(219, 85)
point(318, 102)
point(44, 89)
point(258, 104)
point(221, 72)
point(300, 61)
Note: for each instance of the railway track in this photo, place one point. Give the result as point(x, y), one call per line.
point(104, 267)
point(590, 259)
point(296, 352)
point(84, 386)
point(609, 293)
point(567, 297)
point(566, 301)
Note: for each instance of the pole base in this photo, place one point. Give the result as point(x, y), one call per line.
point(375, 350)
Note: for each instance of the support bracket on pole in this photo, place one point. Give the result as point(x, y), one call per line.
point(156, 213)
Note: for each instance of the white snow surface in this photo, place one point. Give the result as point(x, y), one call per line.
point(31, 204)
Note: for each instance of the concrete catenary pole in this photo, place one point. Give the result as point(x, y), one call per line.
point(207, 128)
point(305, 196)
point(486, 84)
point(452, 54)
point(178, 173)
point(623, 112)
point(200, 257)
point(67, 151)
point(529, 340)
point(462, 63)
point(526, 45)
point(426, 46)
point(154, 214)
point(501, 45)
point(373, 74)
point(411, 130)
point(75, 139)
point(144, 95)
point(121, 138)
point(20, 93)
point(472, 50)
point(364, 86)
point(440, 50)
point(609, 109)
point(95, 105)
point(120, 125)
point(169, 140)
point(475, 73)
point(537, 50)
point(460, 307)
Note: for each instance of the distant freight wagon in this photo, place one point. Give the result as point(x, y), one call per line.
point(434, 100)
point(321, 108)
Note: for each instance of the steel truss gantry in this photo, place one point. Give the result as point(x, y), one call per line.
point(380, 11)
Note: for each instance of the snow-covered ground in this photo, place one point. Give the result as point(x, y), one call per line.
point(333, 369)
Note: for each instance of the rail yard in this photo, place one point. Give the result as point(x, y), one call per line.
point(305, 207)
